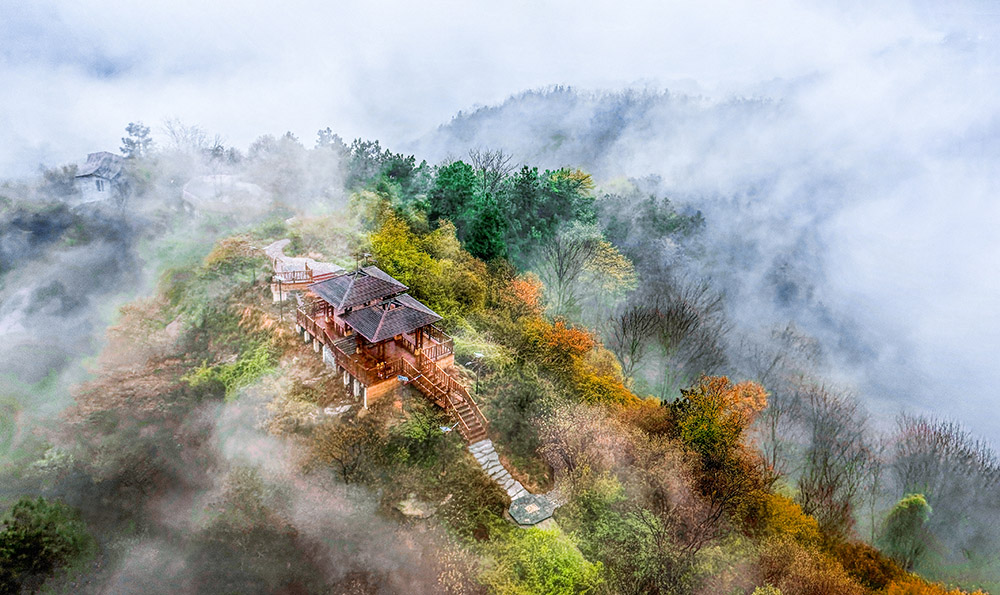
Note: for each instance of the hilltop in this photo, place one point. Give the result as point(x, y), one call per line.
point(209, 447)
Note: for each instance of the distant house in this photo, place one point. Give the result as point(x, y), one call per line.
point(100, 178)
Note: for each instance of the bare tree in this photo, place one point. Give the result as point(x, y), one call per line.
point(346, 446)
point(630, 330)
point(874, 482)
point(563, 259)
point(960, 477)
point(837, 457)
point(492, 168)
point(690, 334)
point(781, 362)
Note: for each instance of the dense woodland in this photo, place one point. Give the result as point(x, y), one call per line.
point(196, 454)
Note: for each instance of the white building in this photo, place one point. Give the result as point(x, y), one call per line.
point(99, 179)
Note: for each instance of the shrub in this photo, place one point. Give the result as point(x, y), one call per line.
point(867, 565)
point(539, 561)
point(36, 538)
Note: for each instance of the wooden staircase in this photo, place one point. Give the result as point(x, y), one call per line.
point(449, 394)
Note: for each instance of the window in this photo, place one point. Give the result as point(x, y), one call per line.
point(100, 185)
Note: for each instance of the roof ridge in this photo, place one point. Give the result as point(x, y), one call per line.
point(381, 321)
point(347, 291)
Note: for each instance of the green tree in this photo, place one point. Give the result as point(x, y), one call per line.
point(452, 195)
point(485, 238)
point(904, 536)
point(138, 143)
point(38, 536)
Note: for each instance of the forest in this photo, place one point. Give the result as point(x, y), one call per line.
point(164, 429)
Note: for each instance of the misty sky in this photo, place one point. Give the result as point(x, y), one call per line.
point(75, 72)
point(902, 94)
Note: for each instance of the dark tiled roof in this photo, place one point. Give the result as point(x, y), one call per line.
point(391, 317)
point(357, 288)
point(103, 165)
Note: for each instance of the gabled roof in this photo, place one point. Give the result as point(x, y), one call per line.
point(391, 317)
point(103, 165)
point(357, 288)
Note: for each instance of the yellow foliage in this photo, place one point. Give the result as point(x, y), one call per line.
point(611, 270)
point(450, 281)
point(914, 585)
point(786, 519)
point(575, 177)
point(602, 389)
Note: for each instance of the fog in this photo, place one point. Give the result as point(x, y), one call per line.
point(866, 147)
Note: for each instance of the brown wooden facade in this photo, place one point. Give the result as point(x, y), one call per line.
point(352, 335)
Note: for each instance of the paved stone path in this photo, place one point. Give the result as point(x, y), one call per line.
point(525, 508)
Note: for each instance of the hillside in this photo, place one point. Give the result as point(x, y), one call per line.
point(201, 445)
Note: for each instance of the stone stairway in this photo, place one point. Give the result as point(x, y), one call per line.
point(489, 460)
point(526, 509)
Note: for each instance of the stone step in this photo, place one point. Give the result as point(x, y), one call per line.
point(515, 488)
point(518, 495)
point(481, 445)
point(487, 458)
point(507, 483)
point(491, 467)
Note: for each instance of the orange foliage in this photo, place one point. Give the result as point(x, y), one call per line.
point(528, 290)
point(649, 416)
point(714, 412)
point(867, 565)
point(914, 585)
point(563, 340)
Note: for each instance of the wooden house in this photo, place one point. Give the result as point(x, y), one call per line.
point(379, 337)
point(100, 178)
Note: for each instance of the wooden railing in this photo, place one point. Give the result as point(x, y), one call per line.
point(353, 366)
point(407, 343)
point(305, 276)
point(429, 388)
point(445, 344)
point(440, 377)
point(307, 322)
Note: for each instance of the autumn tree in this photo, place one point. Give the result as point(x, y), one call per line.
point(711, 418)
